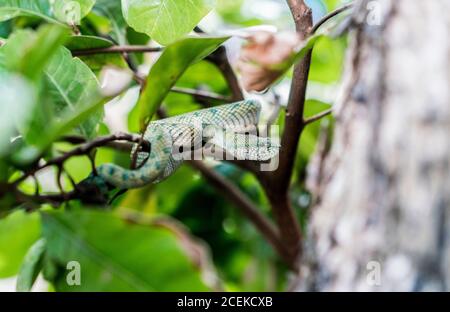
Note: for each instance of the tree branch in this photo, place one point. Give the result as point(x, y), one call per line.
point(220, 59)
point(276, 184)
point(84, 150)
point(117, 50)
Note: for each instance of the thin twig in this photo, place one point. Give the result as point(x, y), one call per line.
point(202, 95)
point(117, 50)
point(329, 16)
point(118, 146)
point(84, 149)
point(317, 117)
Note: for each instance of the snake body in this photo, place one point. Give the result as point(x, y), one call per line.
point(222, 126)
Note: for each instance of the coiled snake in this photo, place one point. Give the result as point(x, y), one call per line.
point(226, 127)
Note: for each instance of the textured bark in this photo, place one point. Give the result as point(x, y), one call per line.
point(384, 188)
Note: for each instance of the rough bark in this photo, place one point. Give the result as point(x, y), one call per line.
point(384, 188)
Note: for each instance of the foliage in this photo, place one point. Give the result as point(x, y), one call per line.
point(57, 70)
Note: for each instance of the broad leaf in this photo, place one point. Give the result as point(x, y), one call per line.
point(73, 86)
point(165, 20)
point(13, 8)
point(97, 61)
point(174, 61)
point(31, 266)
point(70, 88)
point(112, 9)
point(70, 11)
point(123, 256)
point(18, 232)
point(18, 100)
point(29, 52)
point(60, 11)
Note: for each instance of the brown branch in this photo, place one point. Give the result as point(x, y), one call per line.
point(118, 146)
point(220, 59)
point(317, 117)
point(276, 184)
point(117, 50)
point(83, 150)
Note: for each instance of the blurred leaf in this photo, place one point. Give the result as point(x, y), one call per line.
point(173, 62)
point(328, 60)
point(13, 8)
point(71, 96)
point(121, 257)
point(5, 29)
point(71, 11)
point(31, 266)
point(333, 4)
point(29, 52)
point(204, 75)
point(98, 61)
point(310, 134)
point(113, 11)
point(18, 232)
point(66, 11)
point(16, 108)
point(183, 180)
point(165, 20)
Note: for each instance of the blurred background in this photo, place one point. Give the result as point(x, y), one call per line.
point(243, 260)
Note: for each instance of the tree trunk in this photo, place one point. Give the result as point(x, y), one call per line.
point(382, 219)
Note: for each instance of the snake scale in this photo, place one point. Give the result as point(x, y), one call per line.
point(226, 127)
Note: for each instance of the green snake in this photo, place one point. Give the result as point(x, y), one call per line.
point(227, 127)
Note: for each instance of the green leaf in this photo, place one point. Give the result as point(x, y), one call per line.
point(70, 93)
point(59, 11)
point(174, 61)
point(73, 86)
point(123, 256)
point(165, 20)
point(72, 11)
point(13, 8)
point(18, 232)
point(98, 61)
point(328, 60)
point(56, 128)
point(31, 266)
point(29, 52)
point(311, 133)
point(18, 100)
point(113, 11)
